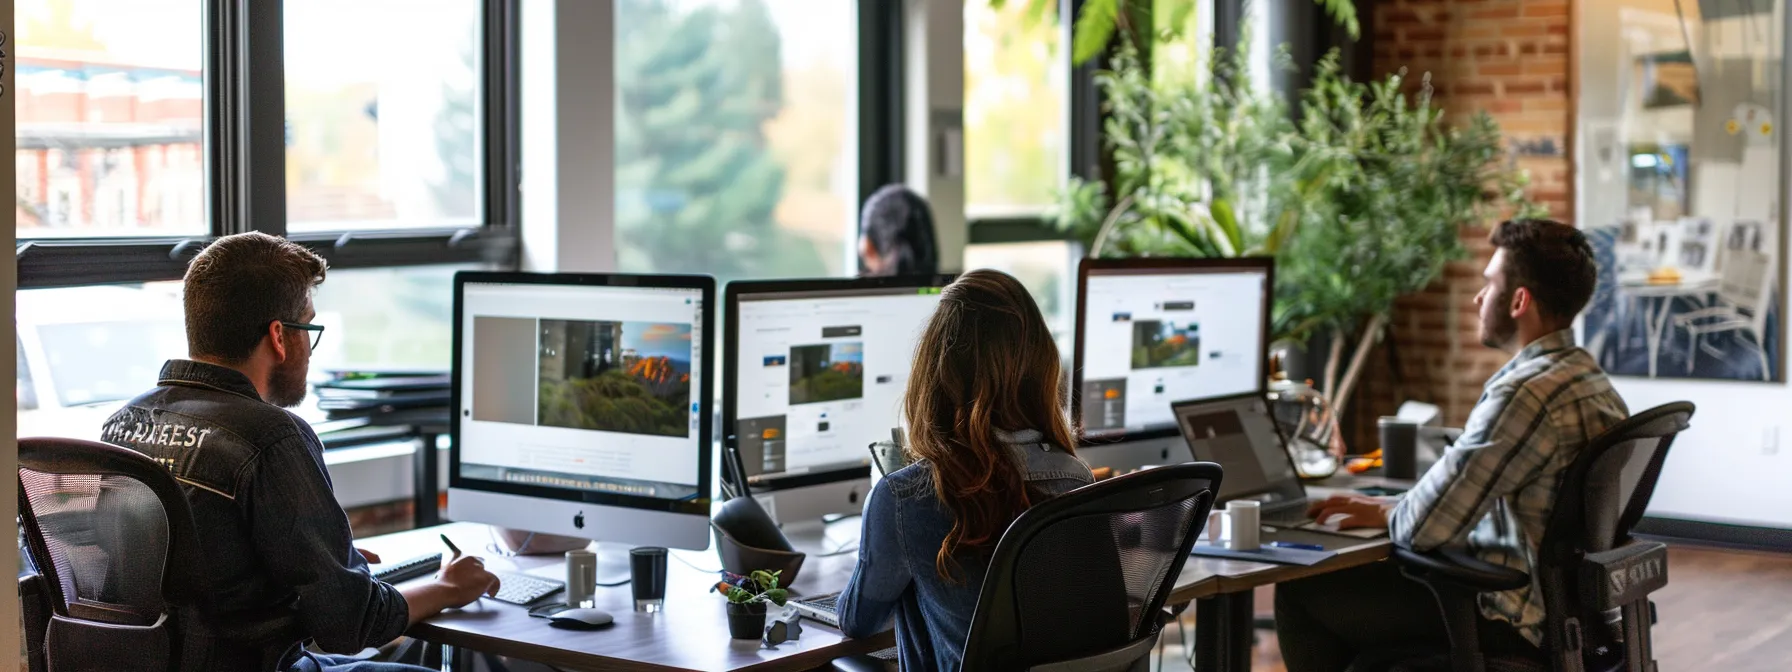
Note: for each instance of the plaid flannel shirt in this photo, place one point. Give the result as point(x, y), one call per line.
point(1492, 492)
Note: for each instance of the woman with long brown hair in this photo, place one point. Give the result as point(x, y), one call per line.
point(989, 436)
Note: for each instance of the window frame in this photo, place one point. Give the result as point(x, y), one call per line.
point(245, 167)
point(1084, 147)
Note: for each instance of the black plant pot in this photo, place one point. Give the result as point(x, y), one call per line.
point(746, 621)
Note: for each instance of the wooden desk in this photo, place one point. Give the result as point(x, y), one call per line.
point(1223, 589)
point(691, 634)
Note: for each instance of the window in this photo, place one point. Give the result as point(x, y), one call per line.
point(390, 317)
point(385, 133)
point(1047, 268)
point(83, 351)
point(110, 105)
point(1015, 102)
point(736, 137)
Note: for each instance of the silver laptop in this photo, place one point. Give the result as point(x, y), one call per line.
point(1239, 434)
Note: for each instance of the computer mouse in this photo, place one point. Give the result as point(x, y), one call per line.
point(580, 619)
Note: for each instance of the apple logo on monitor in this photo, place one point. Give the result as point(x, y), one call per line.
point(578, 520)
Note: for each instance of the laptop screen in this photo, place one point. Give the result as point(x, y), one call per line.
point(1239, 434)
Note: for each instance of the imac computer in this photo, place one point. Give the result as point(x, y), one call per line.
point(580, 405)
point(813, 373)
point(1151, 332)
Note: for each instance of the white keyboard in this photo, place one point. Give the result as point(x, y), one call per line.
point(517, 588)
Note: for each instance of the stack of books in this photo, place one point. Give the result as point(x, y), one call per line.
point(382, 398)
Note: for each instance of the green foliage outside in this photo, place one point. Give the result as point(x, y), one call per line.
point(614, 401)
point(696, 182)
point(1144, 21)
point(829, 385)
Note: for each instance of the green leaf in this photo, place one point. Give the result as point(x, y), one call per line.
point(777, 596)
point(1179, 12)
point(766, 580)
point(1094, 29)
point(1227, 222)
point(1344, 14)
point(738, 596)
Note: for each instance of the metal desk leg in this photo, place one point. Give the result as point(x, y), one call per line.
point(424, 495)
point(1223, 632)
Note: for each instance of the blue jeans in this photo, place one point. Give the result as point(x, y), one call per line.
point(320, 663)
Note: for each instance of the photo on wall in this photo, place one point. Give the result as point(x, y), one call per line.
point(1162, 343)
point(827, 372)
point(631, 377)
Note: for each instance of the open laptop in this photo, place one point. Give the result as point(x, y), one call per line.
point(1239, 433)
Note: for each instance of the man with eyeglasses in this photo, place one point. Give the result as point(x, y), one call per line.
point(282, 563)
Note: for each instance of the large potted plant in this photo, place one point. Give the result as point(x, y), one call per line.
point(1361, 201)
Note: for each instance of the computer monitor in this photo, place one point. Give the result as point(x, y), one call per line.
point(580, 405)
point(813, 373)
point(1150, 332)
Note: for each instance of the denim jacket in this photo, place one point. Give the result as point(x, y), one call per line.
point(904, 525)
point(278, 545)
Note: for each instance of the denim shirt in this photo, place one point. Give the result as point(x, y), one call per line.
point(278, 546)
point(904, 525)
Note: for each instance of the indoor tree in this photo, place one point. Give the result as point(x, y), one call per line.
point(1360, 201)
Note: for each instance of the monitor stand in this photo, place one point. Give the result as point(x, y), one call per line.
point(1128, 456)
point(815, 504)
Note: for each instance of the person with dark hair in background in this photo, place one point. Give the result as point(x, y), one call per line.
point(987, 429)
point(277, 543)
point(896, 234)
point(1491, 493)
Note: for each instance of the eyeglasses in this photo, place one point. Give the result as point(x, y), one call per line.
point(317, 330)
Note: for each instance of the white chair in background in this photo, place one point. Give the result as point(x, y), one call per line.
point(1744, 300)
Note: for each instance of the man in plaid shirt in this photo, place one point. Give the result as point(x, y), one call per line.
point(1492, 491)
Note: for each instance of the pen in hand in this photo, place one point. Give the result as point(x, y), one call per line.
point(451, 547)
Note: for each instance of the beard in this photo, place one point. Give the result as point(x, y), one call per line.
point(286, 383)
point(1498, 328)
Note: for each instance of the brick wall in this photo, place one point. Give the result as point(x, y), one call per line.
point(1511, 59)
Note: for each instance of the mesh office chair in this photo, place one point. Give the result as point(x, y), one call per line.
point(1078, 582)
point(1596, 579)
point(121, 584)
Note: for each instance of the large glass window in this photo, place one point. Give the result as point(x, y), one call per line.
point(82, 351)
point(1046, 267)
point(110, 105)
point(1015, 80)
point(736, 137)
point(382, 114)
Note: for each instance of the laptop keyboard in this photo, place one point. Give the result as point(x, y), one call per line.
point(1293, 516)
point(819, 607)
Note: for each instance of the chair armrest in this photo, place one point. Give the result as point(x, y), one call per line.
point(1623, 575)
point(1460, 568)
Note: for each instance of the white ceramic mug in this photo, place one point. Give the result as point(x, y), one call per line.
point(1244, 520)
point(581, 576)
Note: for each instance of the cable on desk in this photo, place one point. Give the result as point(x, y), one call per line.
point(692, 565)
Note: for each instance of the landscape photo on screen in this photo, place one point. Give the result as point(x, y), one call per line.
point(1163, 343)
point(632, 377)
point(827, 372)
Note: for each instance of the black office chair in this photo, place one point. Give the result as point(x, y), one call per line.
point(121, 583)
point(1078, 582)
point(1596, 579)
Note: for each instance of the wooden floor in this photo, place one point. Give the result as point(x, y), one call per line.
point(1722, 610)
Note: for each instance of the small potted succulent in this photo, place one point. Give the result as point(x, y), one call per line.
point(747, 596)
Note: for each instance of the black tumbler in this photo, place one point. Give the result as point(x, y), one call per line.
point(647, 575)
point(1399, 448)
